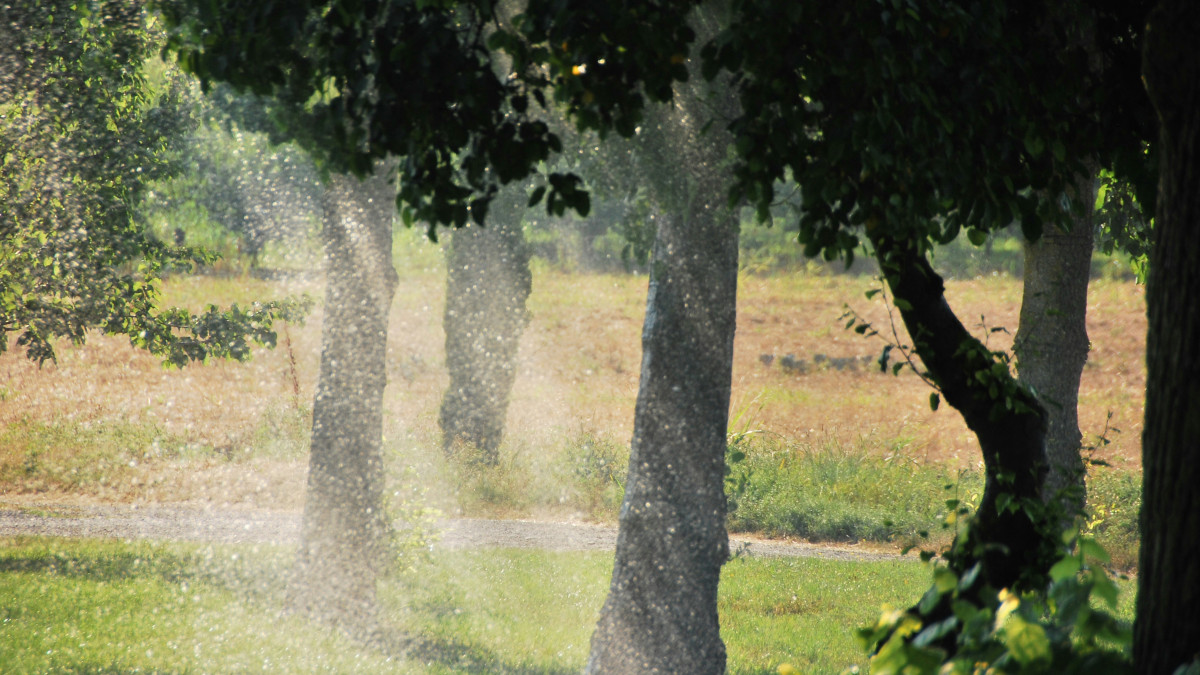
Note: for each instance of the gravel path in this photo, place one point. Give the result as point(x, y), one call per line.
point(182, 523)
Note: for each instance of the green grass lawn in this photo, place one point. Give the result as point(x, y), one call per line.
point(112, 607)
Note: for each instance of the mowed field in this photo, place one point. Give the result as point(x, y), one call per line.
point(108, 423)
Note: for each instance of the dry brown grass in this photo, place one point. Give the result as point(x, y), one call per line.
point(579, 363)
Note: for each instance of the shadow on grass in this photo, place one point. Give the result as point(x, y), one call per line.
point(107, 567)
point(261, 576)
point(262, 580)
point(115, 670)
point(463, 657)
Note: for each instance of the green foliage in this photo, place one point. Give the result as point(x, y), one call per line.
point(1114, 501)
point(84, 133)
point(832, 493)
point(891, 138)
point(414, 524)
point(598, 467)
point(618, 235)
point(1069, 628)
point(1122, 223)
point(233, 184)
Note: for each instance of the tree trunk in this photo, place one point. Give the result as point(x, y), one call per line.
point(1167, 628)
point(343, 539)
point(1052, 343)
point(1013, 544)
point(487, 284)
point(661, 612)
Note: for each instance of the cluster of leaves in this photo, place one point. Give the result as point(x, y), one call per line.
point(83, 134)
point(1068, 628)
point(918, 119)
point(1122, 223)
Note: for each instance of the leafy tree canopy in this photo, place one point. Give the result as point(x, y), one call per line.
point(927, 118)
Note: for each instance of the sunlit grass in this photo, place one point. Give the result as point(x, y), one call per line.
point(828, 492)
point(87, 606)
point(798, 611)
point(104, 607)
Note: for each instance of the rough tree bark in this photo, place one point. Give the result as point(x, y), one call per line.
point(1052, 342)
point(343, 539)
point(661, 612)
point(1167, 628)
point(1014, 547)
point(487, 283)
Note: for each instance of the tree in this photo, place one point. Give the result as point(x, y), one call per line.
point(83, 134)
point(487, 282)
point(904, 125)
point(1167, 627)
point(892, 139)
point(661, 611)
point(1052, 345)
point(344, 536)
point(414, 81)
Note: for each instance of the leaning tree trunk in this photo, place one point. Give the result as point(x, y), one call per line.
point(661, 612)
point(487, 284)
point(1014, 545)
point(1167, 628)
point(1052, 343)
point(343, 538)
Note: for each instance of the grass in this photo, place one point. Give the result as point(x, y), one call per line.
point(826, 492)
point(111, 607)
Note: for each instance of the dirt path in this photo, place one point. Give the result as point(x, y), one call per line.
point(183, 523)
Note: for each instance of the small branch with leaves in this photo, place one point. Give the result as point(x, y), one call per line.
point(859, 324)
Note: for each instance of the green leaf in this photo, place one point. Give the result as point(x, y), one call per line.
point(1066, 568)
point(969, 578)
point(934, 401)
point(1027, 642)
point(1105, 589)
point(1034, 145)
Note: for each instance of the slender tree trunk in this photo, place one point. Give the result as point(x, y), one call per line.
point(343, 539)
point(661, 612)
point(1052, 343)
point(487, 284)
point(1014, 545)
point(1167, 628)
